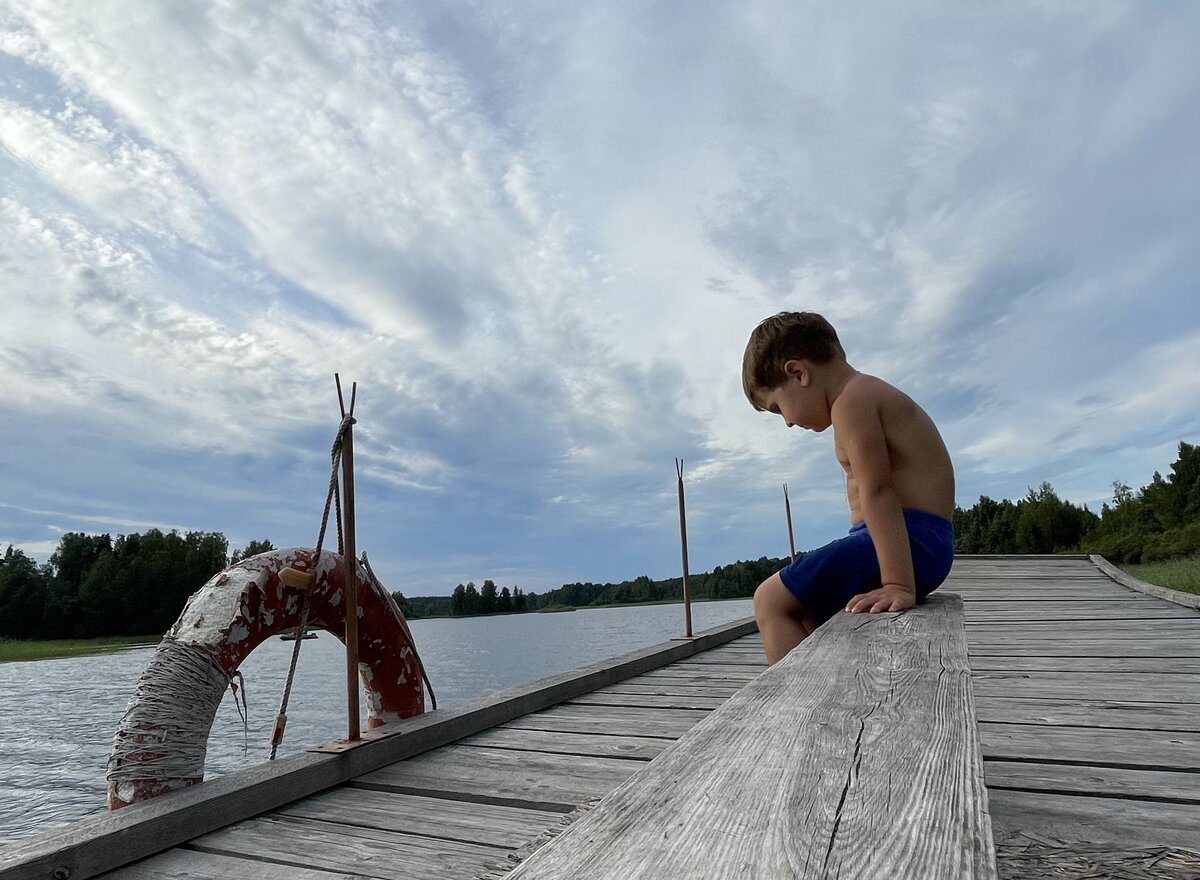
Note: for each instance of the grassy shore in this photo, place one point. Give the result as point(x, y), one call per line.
point(11, 650)
point(1176, 574)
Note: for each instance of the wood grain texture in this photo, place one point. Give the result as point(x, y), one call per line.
point(1164, 666)
point(1164, 749)
point(185, 864)
point(597, 745)
point(1088, 713)
point(652, 700)
point(487, 824)
point(702, 689)
point(503, 776)
point(737, 673)
point(350, 849)
point(1080, 818)
point(1115, 782)
point(733, 658)
point(1064, 644)
point(628, 721)
point(1107, 615)
point(855, 756)
point(1127, 686)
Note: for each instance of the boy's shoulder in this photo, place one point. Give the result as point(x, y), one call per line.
point(868, 403)
point(865, 390)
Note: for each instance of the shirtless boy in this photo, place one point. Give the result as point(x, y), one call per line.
point(899, 483)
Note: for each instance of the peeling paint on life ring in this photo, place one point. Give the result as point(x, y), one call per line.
point(222, 623)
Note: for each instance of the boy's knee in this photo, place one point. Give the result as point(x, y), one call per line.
point(773, 599)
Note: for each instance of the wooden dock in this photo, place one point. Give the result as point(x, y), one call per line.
point(1086, 695)
point(1088, 700)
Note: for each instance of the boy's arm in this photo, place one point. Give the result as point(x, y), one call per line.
point(860, 433)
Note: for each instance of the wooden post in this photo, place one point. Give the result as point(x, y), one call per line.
point(687, 599)
point(787, 507)
point(351, 577)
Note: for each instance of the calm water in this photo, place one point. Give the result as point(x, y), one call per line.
point(57, 717)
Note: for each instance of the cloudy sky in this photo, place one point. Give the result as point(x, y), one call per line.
point(538, 234)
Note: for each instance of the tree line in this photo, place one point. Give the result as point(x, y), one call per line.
point(733, 581)
point(1159, 521)
point(95, 585)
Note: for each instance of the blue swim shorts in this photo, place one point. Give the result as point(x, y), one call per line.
point(827, 578)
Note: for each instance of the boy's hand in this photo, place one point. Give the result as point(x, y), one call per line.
point(889, 597)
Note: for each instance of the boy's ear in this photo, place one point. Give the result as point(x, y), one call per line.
point(798, 369)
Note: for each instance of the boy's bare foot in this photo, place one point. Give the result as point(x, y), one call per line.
point(889, 597)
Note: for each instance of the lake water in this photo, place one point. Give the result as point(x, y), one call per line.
point(57, 717)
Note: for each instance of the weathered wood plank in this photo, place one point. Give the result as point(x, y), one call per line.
point(985, 602)
point(652, 700)
point(751, 662)
point(1092, 745)
point(1163, 666)
point(667, 687)
point(722, 679)
point(671, 723)
point(1122, 822)
point(1106, 615)
point(1067, 646)
point(1088, 713)
point(499, 826)
point(504, 776)
point(184, 864)
point(1127, 686)
point(639, 748)
point(351, 849)
point(1121, 782)
point(110, 840)
point(1025, 595)
point(824, 766)
point(1107, 630)
point(717, 672)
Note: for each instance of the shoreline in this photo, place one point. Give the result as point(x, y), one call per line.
point(19, 650)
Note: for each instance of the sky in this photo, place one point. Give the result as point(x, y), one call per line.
point(538, 235)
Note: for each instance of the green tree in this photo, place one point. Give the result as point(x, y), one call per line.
point(24, 589)
point(471, 599)
point(458, 601)
point(487, 597)
point(403, 604)
point(252, 549)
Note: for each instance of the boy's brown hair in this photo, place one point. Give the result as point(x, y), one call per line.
point(781, 338)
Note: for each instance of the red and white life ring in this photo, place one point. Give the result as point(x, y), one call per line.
point(161, 741)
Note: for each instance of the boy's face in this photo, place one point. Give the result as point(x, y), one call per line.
point(797, 401)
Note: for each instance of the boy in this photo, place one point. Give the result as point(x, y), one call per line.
point(899, 483)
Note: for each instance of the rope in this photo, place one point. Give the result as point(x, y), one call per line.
point(335, 458)
point(244, 715)
point(162, 715)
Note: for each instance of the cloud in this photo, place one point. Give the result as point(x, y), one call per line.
point(539, 237)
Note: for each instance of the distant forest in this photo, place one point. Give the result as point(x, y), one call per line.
point(1159, 521)
point(94, 585)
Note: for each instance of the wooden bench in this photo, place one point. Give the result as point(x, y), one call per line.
point(856, 756)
